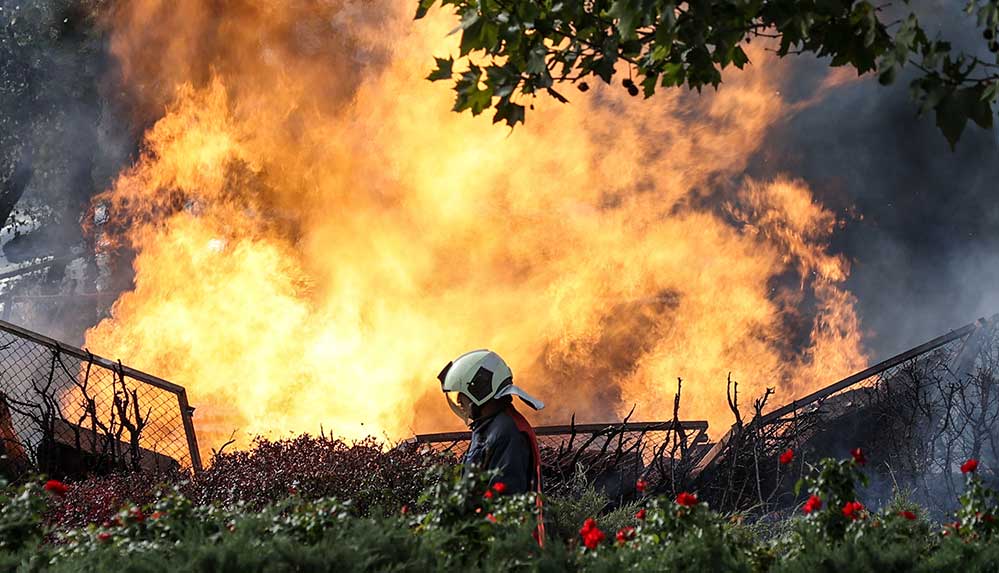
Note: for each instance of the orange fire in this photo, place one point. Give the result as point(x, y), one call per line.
point(317, 234)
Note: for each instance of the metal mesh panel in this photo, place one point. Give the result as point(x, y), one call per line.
point(65, 411)
point(921, 413)
point(918, 379)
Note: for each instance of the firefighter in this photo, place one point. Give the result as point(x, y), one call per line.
point(479, 388)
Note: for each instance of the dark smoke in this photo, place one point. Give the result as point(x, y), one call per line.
point(60, 140)
point(925, 247)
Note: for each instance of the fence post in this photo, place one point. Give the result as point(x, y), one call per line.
point(187, 415)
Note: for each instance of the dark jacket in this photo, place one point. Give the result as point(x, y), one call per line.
point(498, 444)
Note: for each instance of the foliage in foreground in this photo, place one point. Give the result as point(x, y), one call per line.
point(461, 523)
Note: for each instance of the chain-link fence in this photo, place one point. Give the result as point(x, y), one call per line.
point(67, 412)
point(612, 456)
point(918, 415)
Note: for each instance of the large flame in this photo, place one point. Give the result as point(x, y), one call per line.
point(317, 234)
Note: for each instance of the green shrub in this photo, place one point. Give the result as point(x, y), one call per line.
point(21, 511)
point(565, 514)
point(461, 523)
point(680, 535)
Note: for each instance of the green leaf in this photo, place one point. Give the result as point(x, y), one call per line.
point(739, 57)
point(649, 84)
point(887, 75)
point(536, 60)
point(423, 7)
point(628, 14)
point(630, 48)
point(673, 75)
point(476, 101)
point(502, 80)
point(509, 112)
point(478, 33)
point(951, 117)
point(470, 17)
point(471, 36)
point(954, 111)
point(930, 91)
point(536, 39)
point(443, 71)
point(469, 95)
point(977, 105)
point(603, 67)
point(660, 52)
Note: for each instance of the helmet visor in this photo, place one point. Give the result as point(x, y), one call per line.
point(456, 408)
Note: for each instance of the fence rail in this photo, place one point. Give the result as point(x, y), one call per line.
point(612, 455)
point(64, 410)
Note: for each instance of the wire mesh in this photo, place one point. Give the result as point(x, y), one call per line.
point(925, 374)
point(64, 411)
point(920, 413)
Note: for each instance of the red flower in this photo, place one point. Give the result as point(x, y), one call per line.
point(858, 456)
point(786, 457)
point(625, 534)
point(499, 487)
point(813, 504)
point(56, 487)
point(908, 515)
point(640, 514)
point(852, 509)
point(488, 494)
point(404, 510)
point(593, 539)
point(490, 518)
point(104, 537)
point(686, 499)
point(969, 466)
point(137, 514)
point(157, 514)
point(640, 485)
point(591, 534)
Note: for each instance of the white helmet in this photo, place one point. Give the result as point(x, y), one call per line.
point(481, 375)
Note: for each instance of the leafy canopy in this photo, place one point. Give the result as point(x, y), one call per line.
point(511, 50)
